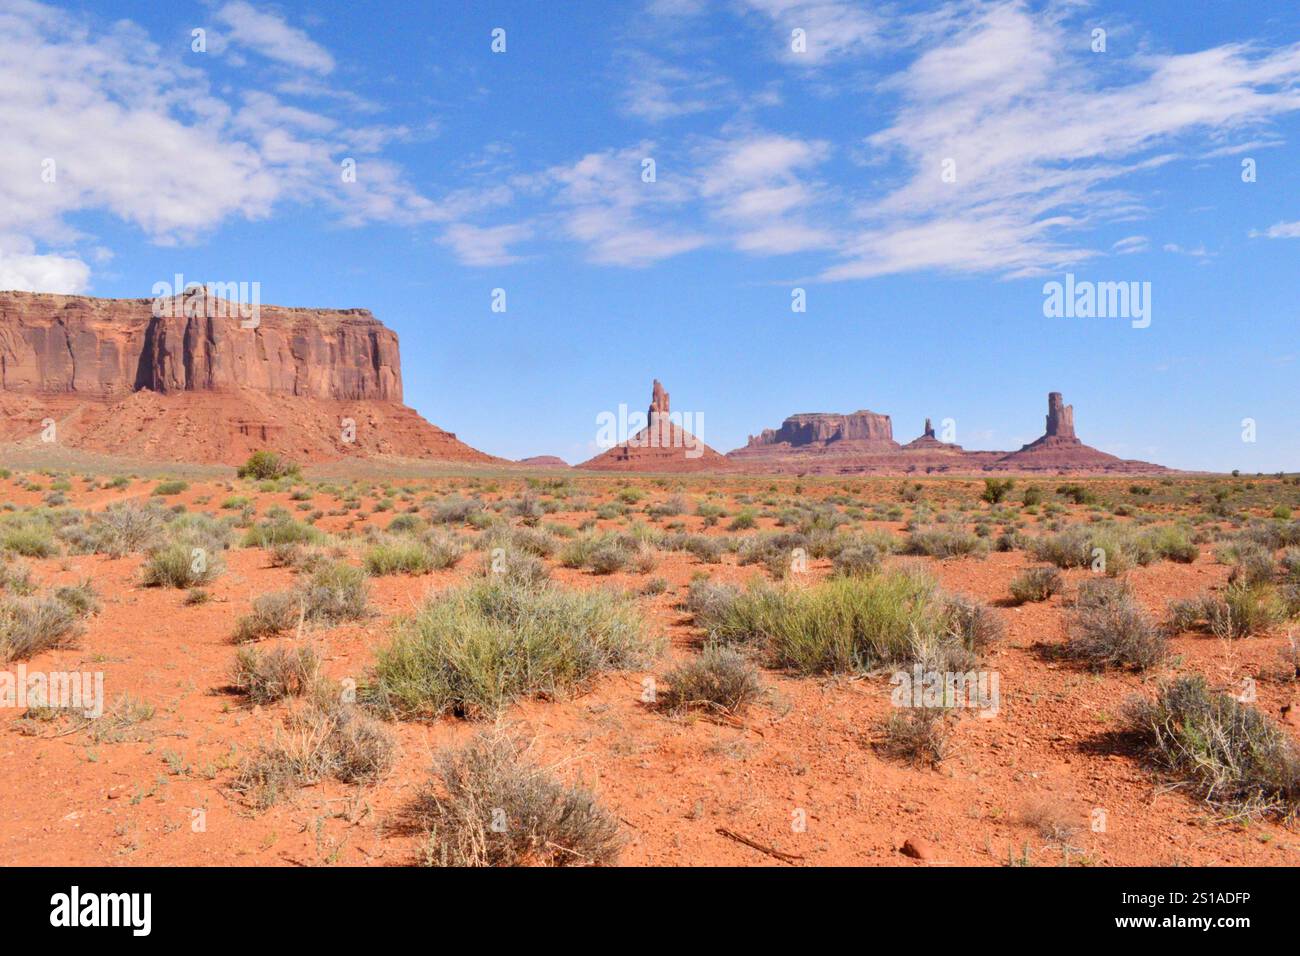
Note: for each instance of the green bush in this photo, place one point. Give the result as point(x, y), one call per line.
point(474, 650)
point(267, 466)
point(844, 624)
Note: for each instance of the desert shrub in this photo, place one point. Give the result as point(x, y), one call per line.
point(279, 527)
point(474, 650)
point(670, 508)
point(326, 739)
point(856, 562)
point(265, 677)
point(399, 554)
point(746, 519)
point(969, 626)
point(1173, 543)
point(1032, 496)
point(844, 624)
point(995, 489)
point(454, 510)
point(917, 735)
point(532, 541)
point(1114, 632)
point(126, 527)
point(704, 549)
point(1232, 753)
point(720, 679)
point(15, 578)
point(508, 566)
point(168, 488)
point(1252, 565)
point(336, 592)
point(1035, 584)
point(266, 466)
point(271, 614)
point(180, 565)
point(1097, 592)
point(80, 598)
point(30, 625)
point(1243, 610)
point(491, 806)
point(945, 543)
point(1078, 494)
point(28, 537)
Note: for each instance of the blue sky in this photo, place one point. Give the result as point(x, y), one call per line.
point(775, 168)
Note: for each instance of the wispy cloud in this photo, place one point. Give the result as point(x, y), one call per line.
point(272, 37)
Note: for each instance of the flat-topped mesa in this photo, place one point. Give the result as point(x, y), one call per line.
point(823, 428)
point(1060, 417)
point(198, 378)
point(109, 348)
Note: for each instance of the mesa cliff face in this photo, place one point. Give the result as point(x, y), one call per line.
point(105, 348)
point(195, 379)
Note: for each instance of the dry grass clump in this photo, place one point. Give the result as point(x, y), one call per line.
point(918, 736)
point(720, 679)
point(1107, 628)
point(30, 624)
point(324, 739)
point(491, 806)
point(473, 650)
point(265, 677)
point(1036, 584)
point(1052, 820)
point(1230, 752)
point(945, 543)
point(335, 592)
point(407, 554)
point(1243, 610)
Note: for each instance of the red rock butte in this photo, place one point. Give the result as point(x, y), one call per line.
point(863, 443)
point(190, 378)
point(662, 445)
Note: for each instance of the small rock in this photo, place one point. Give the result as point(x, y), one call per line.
point(918, 849)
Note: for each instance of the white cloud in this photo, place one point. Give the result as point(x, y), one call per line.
point(45, 273)
point(271, 36)
point(1130, 245)
point(658, 91)
point(1041, 139)
point(758, 189)
point(98, 118)
point(1279, 230)
point(489, 246)
point(619, 218)
point(833, 28)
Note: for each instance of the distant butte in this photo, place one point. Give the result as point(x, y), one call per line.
point(662, 445)
point(863, 443)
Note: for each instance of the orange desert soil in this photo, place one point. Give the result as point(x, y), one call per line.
point(672, 782)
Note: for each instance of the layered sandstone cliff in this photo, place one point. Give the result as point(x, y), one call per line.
point(197, 378)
